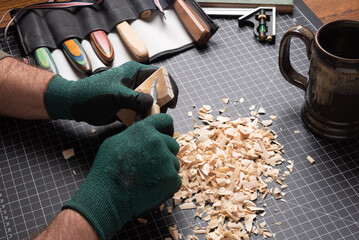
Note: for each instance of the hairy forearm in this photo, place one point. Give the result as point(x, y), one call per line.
point(69, 224)
point(22, 90)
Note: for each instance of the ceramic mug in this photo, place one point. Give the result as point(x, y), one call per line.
point(331, 106)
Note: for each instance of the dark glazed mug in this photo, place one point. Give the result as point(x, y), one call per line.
point(331, 107)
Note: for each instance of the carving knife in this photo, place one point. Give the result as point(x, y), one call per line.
point(77, 55)
point(44, 59)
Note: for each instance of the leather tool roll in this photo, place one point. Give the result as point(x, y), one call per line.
point(49, 27)
point(163, 37)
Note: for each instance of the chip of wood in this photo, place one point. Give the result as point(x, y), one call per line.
point(267, 123)
point(142, 220)
point(223, 110)
point(174, 232)
point(200, 231)
point(162, 206)
point(169, 209)
point(189, 205)
point(68, 153)
point(225, 100)
point(310, 159)
point(261, 111)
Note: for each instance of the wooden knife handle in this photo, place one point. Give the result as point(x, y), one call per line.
point(133, 42)
point(77, 55)
point(102, 46)
point(194, 24)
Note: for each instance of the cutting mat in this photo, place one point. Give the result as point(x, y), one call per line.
point(321, 199)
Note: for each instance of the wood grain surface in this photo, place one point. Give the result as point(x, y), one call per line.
point(330, 10)
point(326, 10)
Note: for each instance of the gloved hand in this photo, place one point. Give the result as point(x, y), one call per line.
point(133, 172)
point(97, 99)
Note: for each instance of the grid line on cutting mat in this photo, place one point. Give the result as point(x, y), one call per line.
point(321, 197)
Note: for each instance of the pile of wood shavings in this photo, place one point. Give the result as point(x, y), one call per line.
point(225, 168)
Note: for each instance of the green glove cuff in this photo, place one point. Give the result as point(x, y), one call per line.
point(58, 99)
point(99, 200)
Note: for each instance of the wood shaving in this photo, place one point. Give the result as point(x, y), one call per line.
point(261, 111)
point(68, 153)
point(74, 172)
point(310, 159)
point(169, 209)
point(200, 231)
point(290, 166)
point(162, 206)
point(251, 108)
point(296, 131)
point(224, 169)
point(273, 117)
point(267, 123)
point(190, 205)
point(190, 237)
point(142, 220)
point(225, 100)
point(223, 110)
point(93, 131)
point(174, 232)
point(278, 223)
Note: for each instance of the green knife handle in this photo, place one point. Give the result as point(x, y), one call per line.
point(44, 59)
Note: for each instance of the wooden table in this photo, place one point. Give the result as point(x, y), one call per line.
point(326, 10)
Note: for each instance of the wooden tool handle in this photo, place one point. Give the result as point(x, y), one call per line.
point(45, 60)
point(194, 24)
point(146, 14)
point(77, 55)
point(102, 46)
point(133, 42)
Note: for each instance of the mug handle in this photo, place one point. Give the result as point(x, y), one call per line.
point(285, 65)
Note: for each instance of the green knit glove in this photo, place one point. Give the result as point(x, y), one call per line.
point(97, 99)
point(133, 172)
